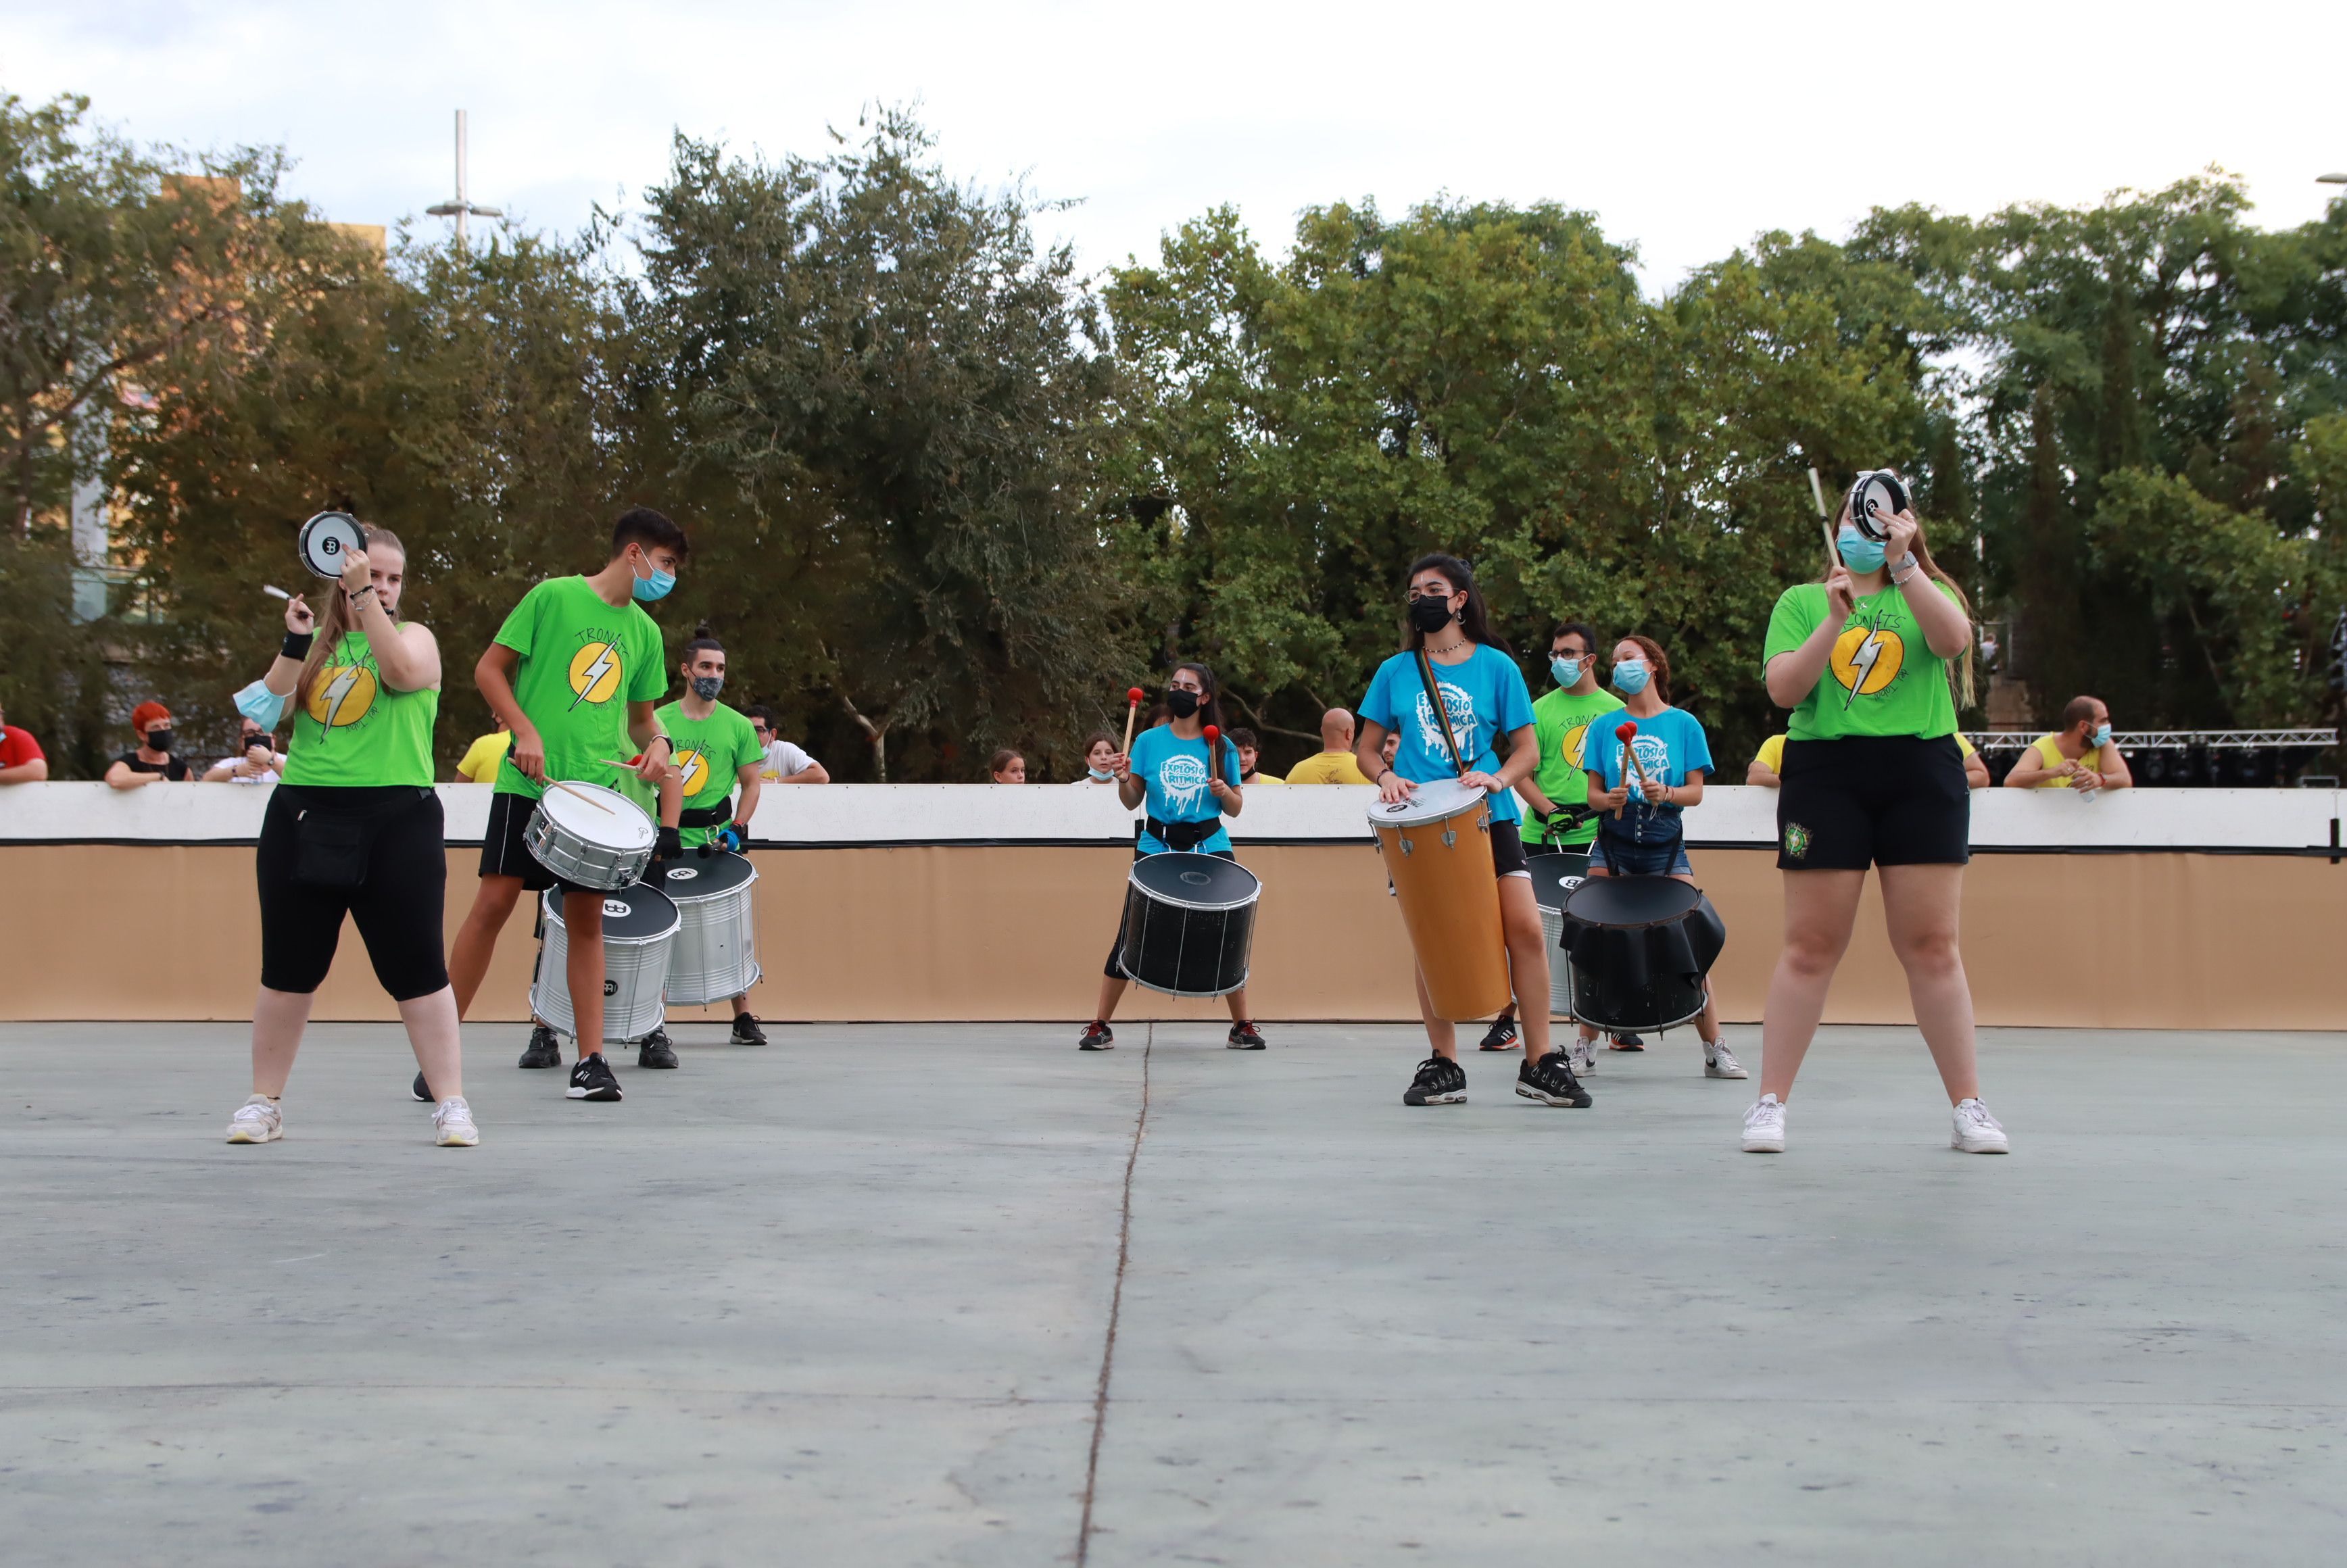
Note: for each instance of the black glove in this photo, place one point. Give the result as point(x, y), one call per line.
point(668, 844)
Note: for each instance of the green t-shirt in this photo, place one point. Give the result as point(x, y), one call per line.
point(712, 752)
point(582, 662)
point(355, 732)
point(1883, 678)
point(1558, 719)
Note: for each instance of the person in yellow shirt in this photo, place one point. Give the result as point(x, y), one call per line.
point(1334, 763)
point(1770, 761)
point(2079, 755)
point(1249, 750)
point(479, 764)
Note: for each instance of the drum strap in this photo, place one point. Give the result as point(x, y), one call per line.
point(1176, 835)
point(707, 816)
point(1434, 698)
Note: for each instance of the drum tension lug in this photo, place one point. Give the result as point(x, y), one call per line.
point(1405, 845)
point(1449, 839)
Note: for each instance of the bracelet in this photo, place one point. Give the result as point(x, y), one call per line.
point(1385, 775)
point(296, 645)
point(353, 593)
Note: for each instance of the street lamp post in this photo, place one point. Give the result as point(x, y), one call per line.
point(461, 209)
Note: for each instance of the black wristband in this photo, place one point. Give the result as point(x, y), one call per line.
point(296, 645)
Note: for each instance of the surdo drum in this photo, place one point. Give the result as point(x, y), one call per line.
point(1639, 946)
point(591, 837)
point(326, 539)
point(638, 933)
point(1555, 876)
point(1189, 923)
point(1438, 852)
point(715, 956)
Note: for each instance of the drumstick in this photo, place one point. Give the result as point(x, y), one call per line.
point(1623, 733)
point(275, 592)
point(1132, 712)
point(580, 794)
point(1213, 750)
point(1818, 493)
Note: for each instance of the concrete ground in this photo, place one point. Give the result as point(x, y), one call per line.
point(845, 1300)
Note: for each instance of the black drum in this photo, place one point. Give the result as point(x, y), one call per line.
point(1189, 923)
point(1640, 946)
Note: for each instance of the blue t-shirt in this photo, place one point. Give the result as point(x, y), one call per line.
point(1485, 696)
point(1670, 745)
point(1174, 770)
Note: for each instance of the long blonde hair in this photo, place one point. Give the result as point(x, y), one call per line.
point(338, 621)
point(1960, 669)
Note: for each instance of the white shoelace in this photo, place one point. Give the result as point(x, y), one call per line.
point(1765, 1113)
point(259, 1111)
point(1977, 1113)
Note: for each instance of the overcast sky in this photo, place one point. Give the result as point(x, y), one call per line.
point(1687, 128)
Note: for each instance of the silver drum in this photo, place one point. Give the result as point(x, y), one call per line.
point(591, 837)
point(1555, 876)
point(639, 935)
point(716, 954)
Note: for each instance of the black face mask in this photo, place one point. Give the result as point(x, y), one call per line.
point(1181, 702)
point(1431, 612)
point(158, 739)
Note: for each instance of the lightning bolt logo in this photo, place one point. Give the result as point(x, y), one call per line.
point(1866, 659)
point(343, 695)
point(1862, 665)
point(595, 673)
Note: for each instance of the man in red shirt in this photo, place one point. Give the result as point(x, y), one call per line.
point(22, 760)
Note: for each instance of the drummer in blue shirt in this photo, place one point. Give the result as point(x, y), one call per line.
point(1188, 796)
point(1641, 829)
point(1484, 694)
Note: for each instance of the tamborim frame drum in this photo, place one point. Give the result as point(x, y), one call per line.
point(639, 931)
point(1189, 923)
point(591, 837)
point(1438, 850)
point(1555, 876)
point(326, 539)
point(715, 957)
point(1640, 947)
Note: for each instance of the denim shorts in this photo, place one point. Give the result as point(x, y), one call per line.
point(1623, 859)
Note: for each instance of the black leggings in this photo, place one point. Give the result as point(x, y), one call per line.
point(398, 905)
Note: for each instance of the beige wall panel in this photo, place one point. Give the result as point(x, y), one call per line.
point(2158, 940)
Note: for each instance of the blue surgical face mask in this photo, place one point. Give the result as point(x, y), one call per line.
point(1859, 553)
point(1630, 677)
point(2101, 737)
point(262, 705)
point(1567, 671)
point(1101, 773)
point(655, 586)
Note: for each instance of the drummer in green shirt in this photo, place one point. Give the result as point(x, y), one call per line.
point(1557, 820)
point(717, 748)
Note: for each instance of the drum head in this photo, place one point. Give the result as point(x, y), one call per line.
point(1874, 500)
point(605, 818)
point(694, 877)
point(326, 539)
point(1630, 900)
point(636, 914)
point(1196, 881)
point(1555, 876)
point(1433, 803)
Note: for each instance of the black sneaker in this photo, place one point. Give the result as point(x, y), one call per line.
point(421, 1089)
point(1627, 1042)
point(654, 1051)
point(1098, 1036)
point(1500, 1036)
point(593, 1078)
point(746, 1031)
point(543, 1051)
point(1551, 1081)
point(1440, 1081)
point(1246, 1037)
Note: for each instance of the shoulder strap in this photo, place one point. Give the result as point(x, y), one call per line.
point(1441, 713)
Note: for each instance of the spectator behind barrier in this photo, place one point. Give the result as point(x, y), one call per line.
point(785, 764)
point(1250, 749)
point(479, 763)
point(152, 758)
point(2079, 755)
point(1769, 762)
point(1333, 762)
point(257, 762)
point(1007, 766)
point(1099, 750)
point(22, 760)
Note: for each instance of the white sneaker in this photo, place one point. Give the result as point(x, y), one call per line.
point(1584, 1056)
point(1764, 1126)
point(1718, 1061)
point(1977, 1132)
point(256, 1121)
point(454, 1123)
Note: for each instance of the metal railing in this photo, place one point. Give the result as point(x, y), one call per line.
point(2167, 739)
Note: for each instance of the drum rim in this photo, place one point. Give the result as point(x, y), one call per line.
point(683, 898)
point(1170, 992)
point(1381, 814)
point(1633, 925)
point(310, 526)
point(551, 907)
point(1133, 880)
point(540, 809)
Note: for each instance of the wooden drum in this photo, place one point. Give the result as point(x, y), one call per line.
point(1438, 851)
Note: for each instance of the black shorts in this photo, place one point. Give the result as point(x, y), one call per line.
point(1115, 970)
point(1508, 850)
point(1873, 800)
point(397, 905)
point(505, 848)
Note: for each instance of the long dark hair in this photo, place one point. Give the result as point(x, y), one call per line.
point(1474, 620)
point(1210, 702)
point(338, 621)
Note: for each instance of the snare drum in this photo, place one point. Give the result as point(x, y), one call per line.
point(591, 837)
point(1555, 876)
point(1640, 946)
point(715, 957)
point(639, 933)
point(1438, 850)
point(1189, 923)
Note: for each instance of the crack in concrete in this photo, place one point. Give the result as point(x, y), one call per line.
point(1115, 1308)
